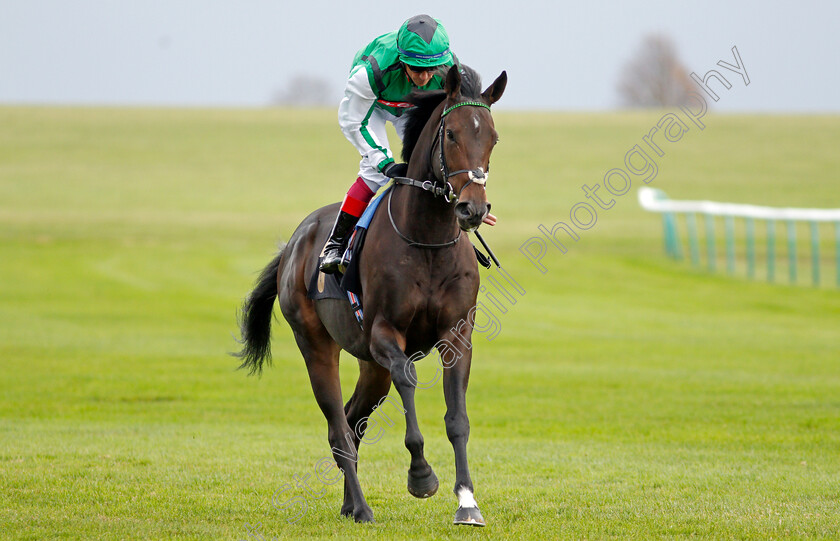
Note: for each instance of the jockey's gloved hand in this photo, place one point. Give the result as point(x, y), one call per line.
point(395, 170)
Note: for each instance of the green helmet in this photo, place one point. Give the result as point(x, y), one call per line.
point(423, 42)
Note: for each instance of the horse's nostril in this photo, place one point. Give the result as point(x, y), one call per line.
point(462, 210)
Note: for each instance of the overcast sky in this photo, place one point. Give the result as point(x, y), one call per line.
point(558, 55)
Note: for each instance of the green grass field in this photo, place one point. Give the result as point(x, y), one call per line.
point(626, 396)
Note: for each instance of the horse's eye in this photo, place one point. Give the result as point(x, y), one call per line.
point(450, 135)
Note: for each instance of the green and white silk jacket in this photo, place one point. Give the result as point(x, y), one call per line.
point(378, 82)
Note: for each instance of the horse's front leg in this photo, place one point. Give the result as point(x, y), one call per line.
point(456, 375)
point(388, 349)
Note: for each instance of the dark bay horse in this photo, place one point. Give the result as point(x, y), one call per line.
point(419, 282)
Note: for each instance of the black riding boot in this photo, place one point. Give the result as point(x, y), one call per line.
point(336, 244)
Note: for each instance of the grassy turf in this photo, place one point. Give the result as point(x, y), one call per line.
point(626, 395)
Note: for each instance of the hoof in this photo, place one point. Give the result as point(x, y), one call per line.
point(363, 515)
point(423, 487)
point(470, 516)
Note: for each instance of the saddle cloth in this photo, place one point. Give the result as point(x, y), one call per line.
point(348, 286)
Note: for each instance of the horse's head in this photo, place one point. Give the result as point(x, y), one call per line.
point(466, 139)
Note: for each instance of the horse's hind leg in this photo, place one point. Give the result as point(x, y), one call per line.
point(321, 355)
point(371, 389)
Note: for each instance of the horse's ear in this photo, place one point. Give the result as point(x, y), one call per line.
point(453, 83)
point(495, 91)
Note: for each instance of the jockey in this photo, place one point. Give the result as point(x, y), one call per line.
point(386, 70)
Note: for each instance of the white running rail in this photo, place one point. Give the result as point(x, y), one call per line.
point(654, 200)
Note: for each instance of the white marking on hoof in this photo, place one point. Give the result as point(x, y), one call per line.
point(469, 516)
point(466, 498)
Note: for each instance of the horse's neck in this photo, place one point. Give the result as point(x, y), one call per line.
point(423, 217)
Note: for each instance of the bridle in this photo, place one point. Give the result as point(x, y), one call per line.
point(475, 175)
point(441, 187)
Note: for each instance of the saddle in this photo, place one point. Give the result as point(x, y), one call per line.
point(347, 286)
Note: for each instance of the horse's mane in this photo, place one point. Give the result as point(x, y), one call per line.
point(426, 101)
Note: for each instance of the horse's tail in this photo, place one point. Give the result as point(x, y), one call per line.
point(255, 320)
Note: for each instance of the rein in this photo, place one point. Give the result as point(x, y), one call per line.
point(446, 190)
point(415, 243)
